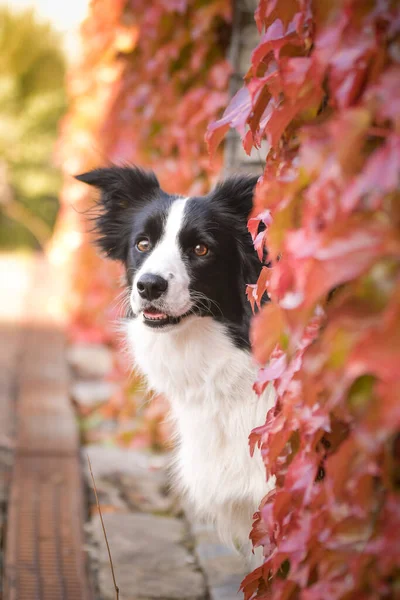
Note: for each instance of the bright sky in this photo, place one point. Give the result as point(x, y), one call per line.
point(66, 15)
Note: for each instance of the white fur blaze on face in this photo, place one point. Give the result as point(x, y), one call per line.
point(166, 260)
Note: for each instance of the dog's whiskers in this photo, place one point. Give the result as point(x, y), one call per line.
point(122, 302)
point(205, 302)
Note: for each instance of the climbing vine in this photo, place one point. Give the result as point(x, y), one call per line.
point(323, 88)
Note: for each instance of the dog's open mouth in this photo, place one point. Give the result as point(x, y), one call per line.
point(155, 318)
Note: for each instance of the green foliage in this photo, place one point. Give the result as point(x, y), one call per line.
point(32, 100)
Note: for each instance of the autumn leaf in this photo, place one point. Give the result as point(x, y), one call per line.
point(267, 331)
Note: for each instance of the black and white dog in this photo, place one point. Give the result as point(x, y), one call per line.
point(188, 261)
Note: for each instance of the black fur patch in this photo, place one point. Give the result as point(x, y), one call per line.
point(124, 191)
point(132, 204)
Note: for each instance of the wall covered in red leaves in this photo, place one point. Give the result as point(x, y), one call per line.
point(323, 88)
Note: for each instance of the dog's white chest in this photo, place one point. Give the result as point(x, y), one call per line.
point(208, 382)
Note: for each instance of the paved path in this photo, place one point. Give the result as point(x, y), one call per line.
point(159, 552)
point(41, 473)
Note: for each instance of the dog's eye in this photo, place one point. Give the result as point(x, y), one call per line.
point(143, 245)
point(200, 250)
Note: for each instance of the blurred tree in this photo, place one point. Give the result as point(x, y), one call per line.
point(32, 100)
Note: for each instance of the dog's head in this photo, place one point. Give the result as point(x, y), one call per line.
point(183, 256)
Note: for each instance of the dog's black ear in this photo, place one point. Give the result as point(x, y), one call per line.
point(237, 194)
point(123, 191)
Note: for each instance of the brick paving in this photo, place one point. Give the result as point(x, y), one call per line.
point(159, 551)
point(43, 509)
point(14, 274)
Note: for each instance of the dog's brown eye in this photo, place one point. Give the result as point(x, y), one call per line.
point(200, 250)
point(143, 245)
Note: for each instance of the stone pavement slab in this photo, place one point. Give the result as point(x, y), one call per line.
point(223, 567)
point(150, 556)
point(138, 479)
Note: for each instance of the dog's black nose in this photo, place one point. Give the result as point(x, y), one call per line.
point(151, 287)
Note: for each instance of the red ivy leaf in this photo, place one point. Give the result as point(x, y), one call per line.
point(266, 331)
point(381, 175)
point(256, 291)
point(235, 115)
point(273, 39)
point(254, 222)
point(275, 369)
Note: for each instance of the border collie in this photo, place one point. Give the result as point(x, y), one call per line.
point(188, 261)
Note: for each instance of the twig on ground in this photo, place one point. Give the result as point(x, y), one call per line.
point(104, 530)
